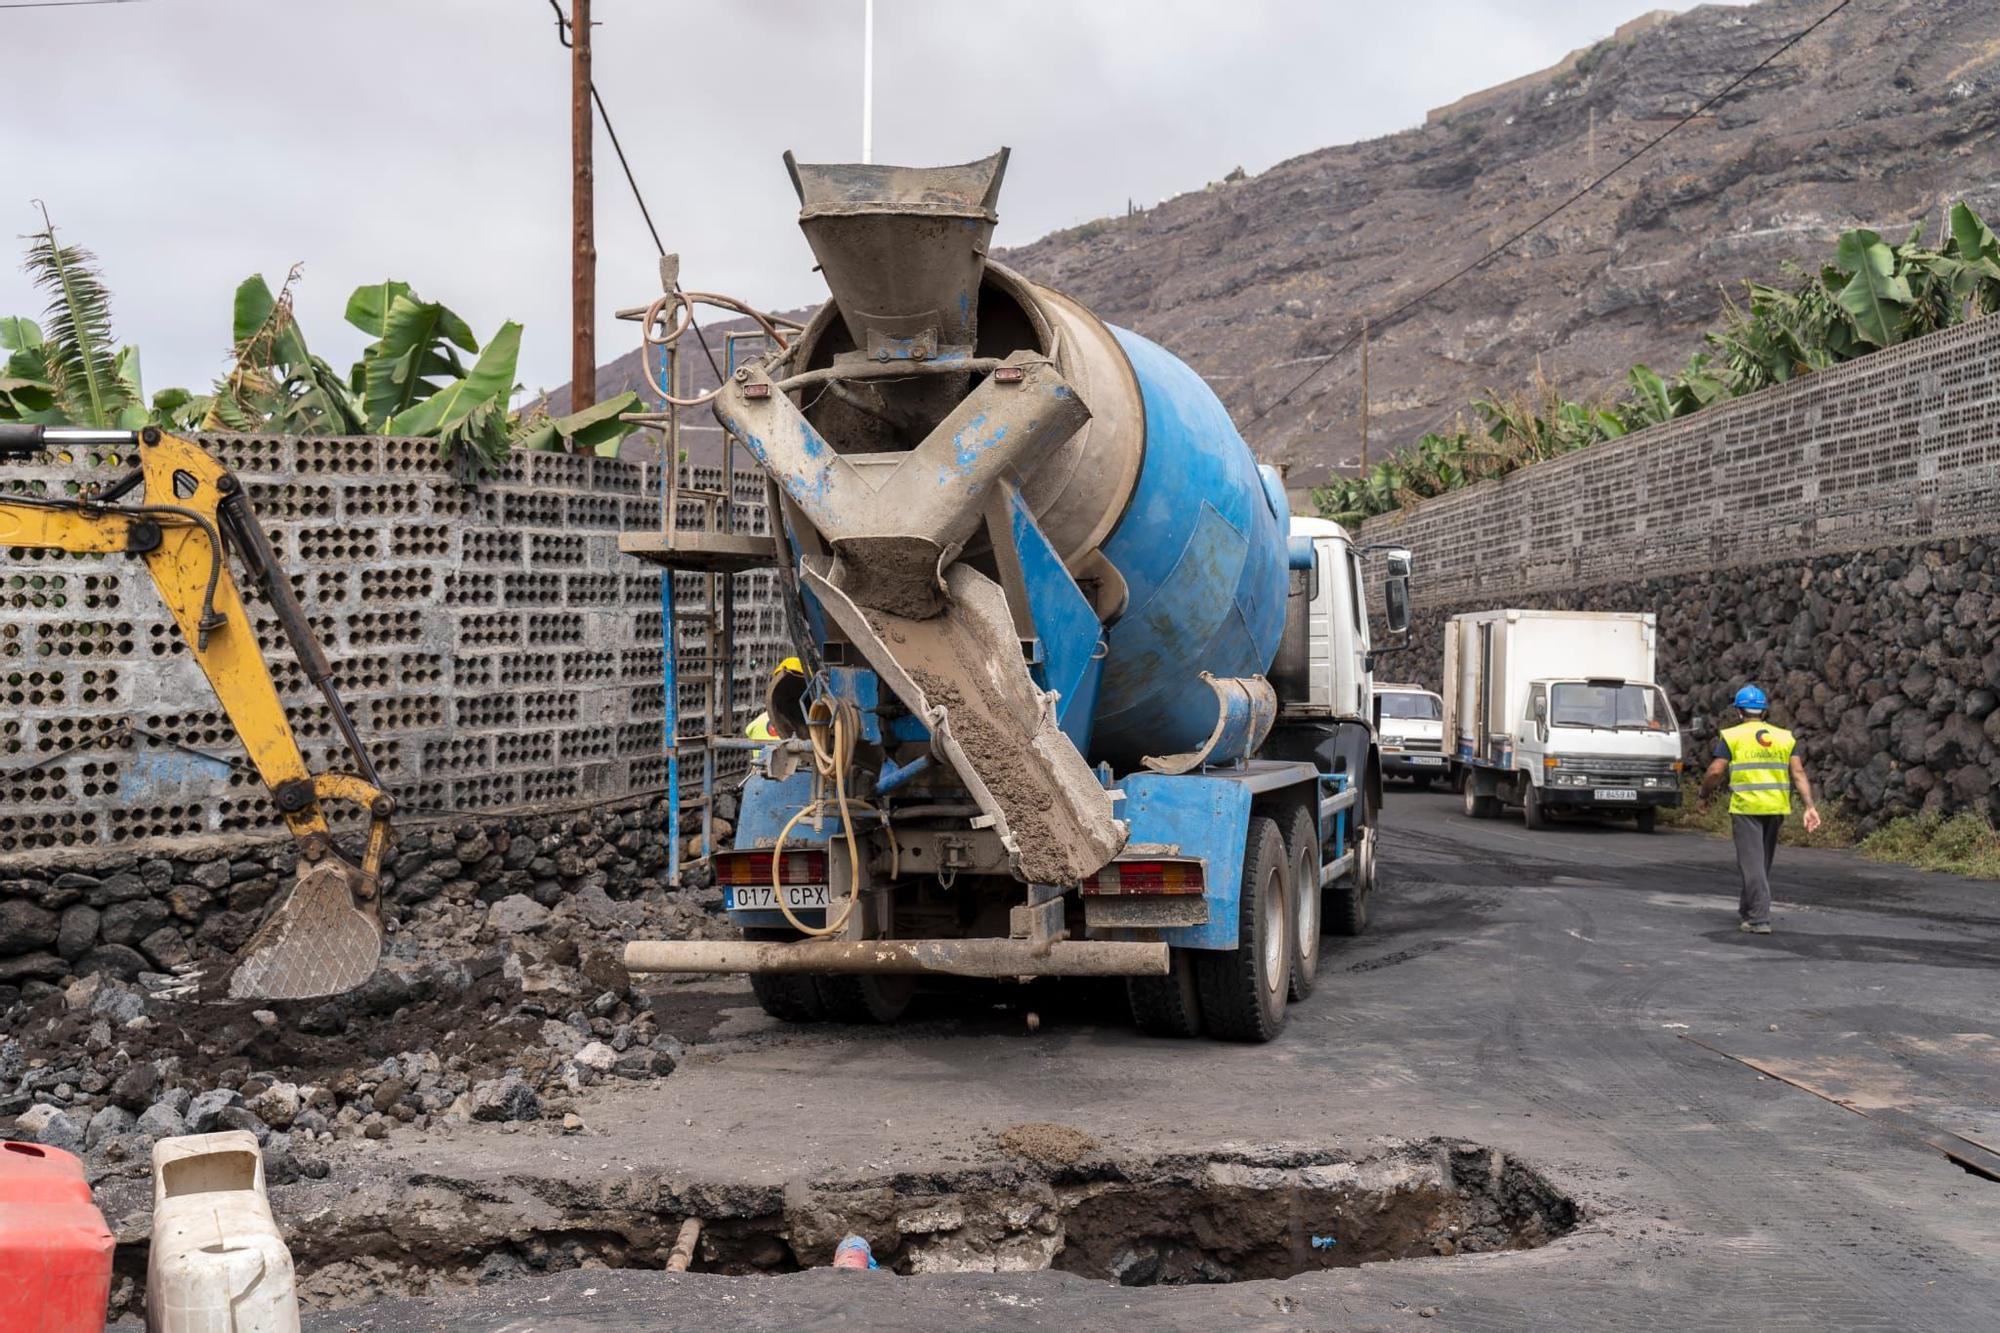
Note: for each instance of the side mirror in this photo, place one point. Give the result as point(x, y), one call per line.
point(1396, 603)
point(1396, 563)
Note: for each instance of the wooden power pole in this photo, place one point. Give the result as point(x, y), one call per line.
point(1364, 397)
point(583, 260)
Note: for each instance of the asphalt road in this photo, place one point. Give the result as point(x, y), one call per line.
point(1580, 998)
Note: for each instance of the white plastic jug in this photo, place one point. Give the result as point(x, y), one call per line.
point(218, 1262)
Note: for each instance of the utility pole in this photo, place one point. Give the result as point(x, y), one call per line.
point(1364, 397)
point(867, 80)
point(583, 260)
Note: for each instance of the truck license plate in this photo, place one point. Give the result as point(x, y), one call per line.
point(1431, 760)
point(798, 897)
point(1614, 794)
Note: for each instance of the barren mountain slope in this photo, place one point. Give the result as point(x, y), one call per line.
point(1885, 113)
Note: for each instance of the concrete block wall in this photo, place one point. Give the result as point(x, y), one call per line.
point(1899, 449)
point(496, 650)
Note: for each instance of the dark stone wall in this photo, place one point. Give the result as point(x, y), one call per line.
point(109, 913)
point(1886, 662)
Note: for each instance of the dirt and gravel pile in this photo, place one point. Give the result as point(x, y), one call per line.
point(491, 1008)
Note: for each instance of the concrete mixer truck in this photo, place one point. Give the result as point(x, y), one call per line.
point(1080, 696)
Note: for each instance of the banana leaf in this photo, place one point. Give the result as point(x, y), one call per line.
point(413, 358)
point(1874, 293)
point(491, 381)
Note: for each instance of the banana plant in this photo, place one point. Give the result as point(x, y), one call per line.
point(594, 430)
point(274, 381)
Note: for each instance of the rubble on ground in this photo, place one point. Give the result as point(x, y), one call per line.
point(495, 1006)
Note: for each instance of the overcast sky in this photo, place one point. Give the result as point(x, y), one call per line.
point(190, 143)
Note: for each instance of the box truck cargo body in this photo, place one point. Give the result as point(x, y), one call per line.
point(1558, 712)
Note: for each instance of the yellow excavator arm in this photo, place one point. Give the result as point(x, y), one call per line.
point(325, 936)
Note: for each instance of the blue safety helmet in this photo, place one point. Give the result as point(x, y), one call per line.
point(1750, 699)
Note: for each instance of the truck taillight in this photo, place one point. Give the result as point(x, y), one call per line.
point(755, 868)
point(1146, 877)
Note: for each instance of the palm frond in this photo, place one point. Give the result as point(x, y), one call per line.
point(82, 355)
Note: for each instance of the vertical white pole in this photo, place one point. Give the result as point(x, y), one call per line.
point(867, 80)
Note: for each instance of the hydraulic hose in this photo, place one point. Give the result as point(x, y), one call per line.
point(830, 727)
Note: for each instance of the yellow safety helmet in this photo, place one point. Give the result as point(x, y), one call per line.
point(791, 666)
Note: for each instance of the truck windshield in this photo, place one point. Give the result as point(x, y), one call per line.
point(1610, 707)
point(1422, 707)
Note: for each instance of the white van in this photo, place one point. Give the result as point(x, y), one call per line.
point(1409, 724)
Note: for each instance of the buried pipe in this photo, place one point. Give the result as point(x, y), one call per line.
point(683, 1251)
point(961, 958)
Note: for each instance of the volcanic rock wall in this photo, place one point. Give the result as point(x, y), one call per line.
point(1836, 540)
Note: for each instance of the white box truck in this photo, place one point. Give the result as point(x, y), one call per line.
point(1557, 712)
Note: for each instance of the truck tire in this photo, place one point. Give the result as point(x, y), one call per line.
point(1302, 853)
point(1243, 989)
point(789, 996)
point(1344, 903)
point(871, 998)
point(1477, 806)
point(1532, 813)
point(1647, 819)
point(1168, 1006)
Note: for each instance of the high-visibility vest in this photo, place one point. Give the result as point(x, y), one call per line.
point(760, 728)
point(1760, 768)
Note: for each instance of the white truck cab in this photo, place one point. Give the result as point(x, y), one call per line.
point(1557, 712)
point(1323, 669)
point(1409, 725)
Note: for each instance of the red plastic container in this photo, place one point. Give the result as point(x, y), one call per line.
point(55, 1251)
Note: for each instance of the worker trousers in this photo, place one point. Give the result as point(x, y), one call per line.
point(1756, 838)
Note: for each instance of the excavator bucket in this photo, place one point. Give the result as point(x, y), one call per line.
point(321, 940)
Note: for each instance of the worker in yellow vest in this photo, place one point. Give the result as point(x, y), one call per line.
point(1760, 761)
point(788, 680)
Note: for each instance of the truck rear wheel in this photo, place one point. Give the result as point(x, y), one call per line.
point(1243, 990)
point(872, 998)
point(1302, 850)
point(790, 996)
point(1168, 1006)
point(1476, 805)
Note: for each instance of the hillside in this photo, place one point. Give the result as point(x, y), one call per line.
point(1883, 115)
point(1886, 112)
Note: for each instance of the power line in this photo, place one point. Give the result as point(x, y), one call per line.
point(62, 4)
point(562, 29)
point(1398, 312)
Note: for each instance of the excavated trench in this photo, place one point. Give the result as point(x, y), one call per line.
point(1049, 1199)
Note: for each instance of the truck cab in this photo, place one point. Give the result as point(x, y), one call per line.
point(1557, 712)
point(1409, 727)
point(1606, 745)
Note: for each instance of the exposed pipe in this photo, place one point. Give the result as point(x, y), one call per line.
point(683, 1251)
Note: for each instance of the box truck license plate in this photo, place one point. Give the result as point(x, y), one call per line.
point(1430, 760)
point(1614, 794)
point(745, 897)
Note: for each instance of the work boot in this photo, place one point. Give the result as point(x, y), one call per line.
point(1754, 927)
